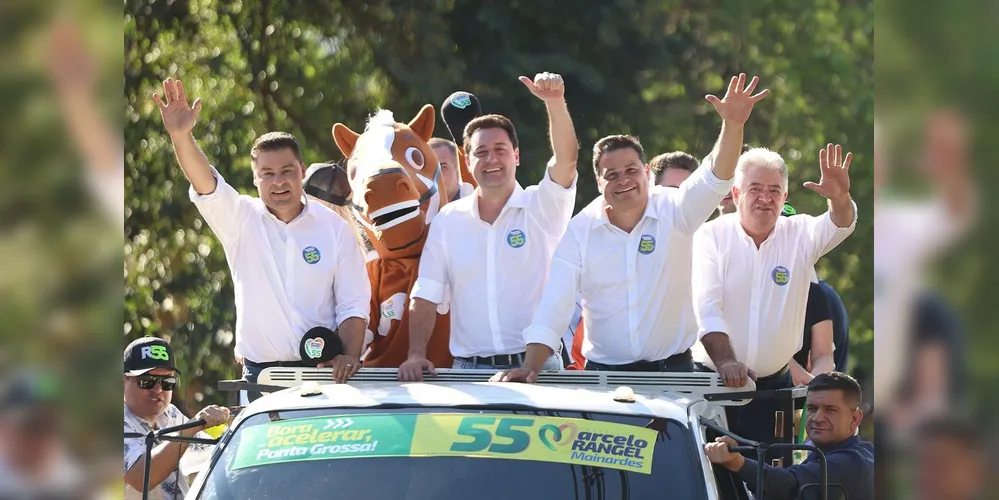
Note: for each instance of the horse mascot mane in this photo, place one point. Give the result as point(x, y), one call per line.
point(396, 190)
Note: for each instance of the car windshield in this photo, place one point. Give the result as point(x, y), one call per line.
point(446, 453)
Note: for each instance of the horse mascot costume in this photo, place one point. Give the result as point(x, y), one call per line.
point(396, 190)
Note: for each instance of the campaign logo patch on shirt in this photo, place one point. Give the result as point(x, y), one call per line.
point(781, 275)
point(516, 238)
point(311, 255)
point(647, 244)
point(388, 308)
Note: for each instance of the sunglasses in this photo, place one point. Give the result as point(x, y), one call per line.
point(167, 383)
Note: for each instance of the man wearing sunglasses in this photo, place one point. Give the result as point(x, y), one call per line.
point(150, 378)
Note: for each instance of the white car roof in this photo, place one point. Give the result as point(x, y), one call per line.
point(541, 397)
point(659, 395)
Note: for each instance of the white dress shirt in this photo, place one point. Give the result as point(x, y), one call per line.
point(910, 234)
point(636, 295)
point(494, 272)
point(288, 278)
point(758, 296)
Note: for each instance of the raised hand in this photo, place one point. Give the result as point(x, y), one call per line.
point(546, 86)
point(179, 118)
point(738, 102)
point(835, 181)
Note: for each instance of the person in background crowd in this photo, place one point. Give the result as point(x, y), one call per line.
point(911, 234)
point(475, 243)
point(447, 154)
point(150, 378)
point(295, 264)
point(751, 275)
point(671, 169)
point(727, 206)
point(628, 253)
point(951, 461)
point(833, 416)
point(34, 461)
point(816, 353)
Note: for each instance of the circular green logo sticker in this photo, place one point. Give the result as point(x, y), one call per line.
point(516, 238)
point(647, 244)
point(311, 255)
point(781, 275)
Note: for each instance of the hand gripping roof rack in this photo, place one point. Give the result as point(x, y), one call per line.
point(697, 384)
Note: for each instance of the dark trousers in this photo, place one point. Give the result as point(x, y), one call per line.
point(757, 420)
point(683, 362)
point(251, 371)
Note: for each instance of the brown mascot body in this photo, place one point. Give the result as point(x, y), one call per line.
point(396, 183)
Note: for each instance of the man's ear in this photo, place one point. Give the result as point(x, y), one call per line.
point(516, 156)
point(304, 168)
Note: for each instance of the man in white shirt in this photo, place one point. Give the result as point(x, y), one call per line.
point(295, 264)
point(490, 252)
point(751, 274)
point(628, 253)
point(150, 378)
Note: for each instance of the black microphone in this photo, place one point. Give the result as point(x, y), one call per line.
point(458, 109)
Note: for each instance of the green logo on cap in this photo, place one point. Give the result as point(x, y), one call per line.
point(157, 352)
point(314, 347)
point(461, 101)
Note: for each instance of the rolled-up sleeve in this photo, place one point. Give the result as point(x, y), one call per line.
point(222, 210)
point(558, 300)
point(431, 282)
point(553, 205)
point(351, 287)
point(696, 198)
point(706, 284)
point(824, 235)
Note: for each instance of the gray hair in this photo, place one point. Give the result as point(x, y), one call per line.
point(760, 157)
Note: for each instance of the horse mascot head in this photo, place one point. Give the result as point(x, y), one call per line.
point(395, 179)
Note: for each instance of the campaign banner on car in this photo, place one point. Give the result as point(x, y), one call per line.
point(503, 436)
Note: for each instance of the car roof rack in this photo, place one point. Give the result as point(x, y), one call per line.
point(697, 383)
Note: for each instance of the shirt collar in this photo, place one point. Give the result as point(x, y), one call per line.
point(517, 199)
point(599, 213)
point(847, 443)
point(307, 210)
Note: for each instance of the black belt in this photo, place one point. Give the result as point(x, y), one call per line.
point(497, 360)
point(778, 373)
point(658, 365)
point(273, 364)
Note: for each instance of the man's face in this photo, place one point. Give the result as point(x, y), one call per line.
point(624, 179)
point(673, 177)
point(449, 169)
point(278, 176)
point(493, 160)
point(947, 470)
point(831, 418)
point(759, 197)
point(148, 403)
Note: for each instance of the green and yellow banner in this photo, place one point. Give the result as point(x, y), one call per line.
point(503, 436)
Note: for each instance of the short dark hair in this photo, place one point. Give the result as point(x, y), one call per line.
point(677, 159)
point(490, 121)
point(435, 142)
point(950, 427)
point(837, 381)
point(745, 147)
point(613, 143)
point(275, 141)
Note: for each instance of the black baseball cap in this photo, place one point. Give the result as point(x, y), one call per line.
point(319, 344)
point(328, 182)
point(148, 353)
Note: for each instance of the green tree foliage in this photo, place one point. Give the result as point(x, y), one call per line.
point(630, 67)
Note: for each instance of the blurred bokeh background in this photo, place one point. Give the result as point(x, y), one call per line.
point(71, 123)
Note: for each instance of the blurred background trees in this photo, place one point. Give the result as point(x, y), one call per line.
point(630, 67)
